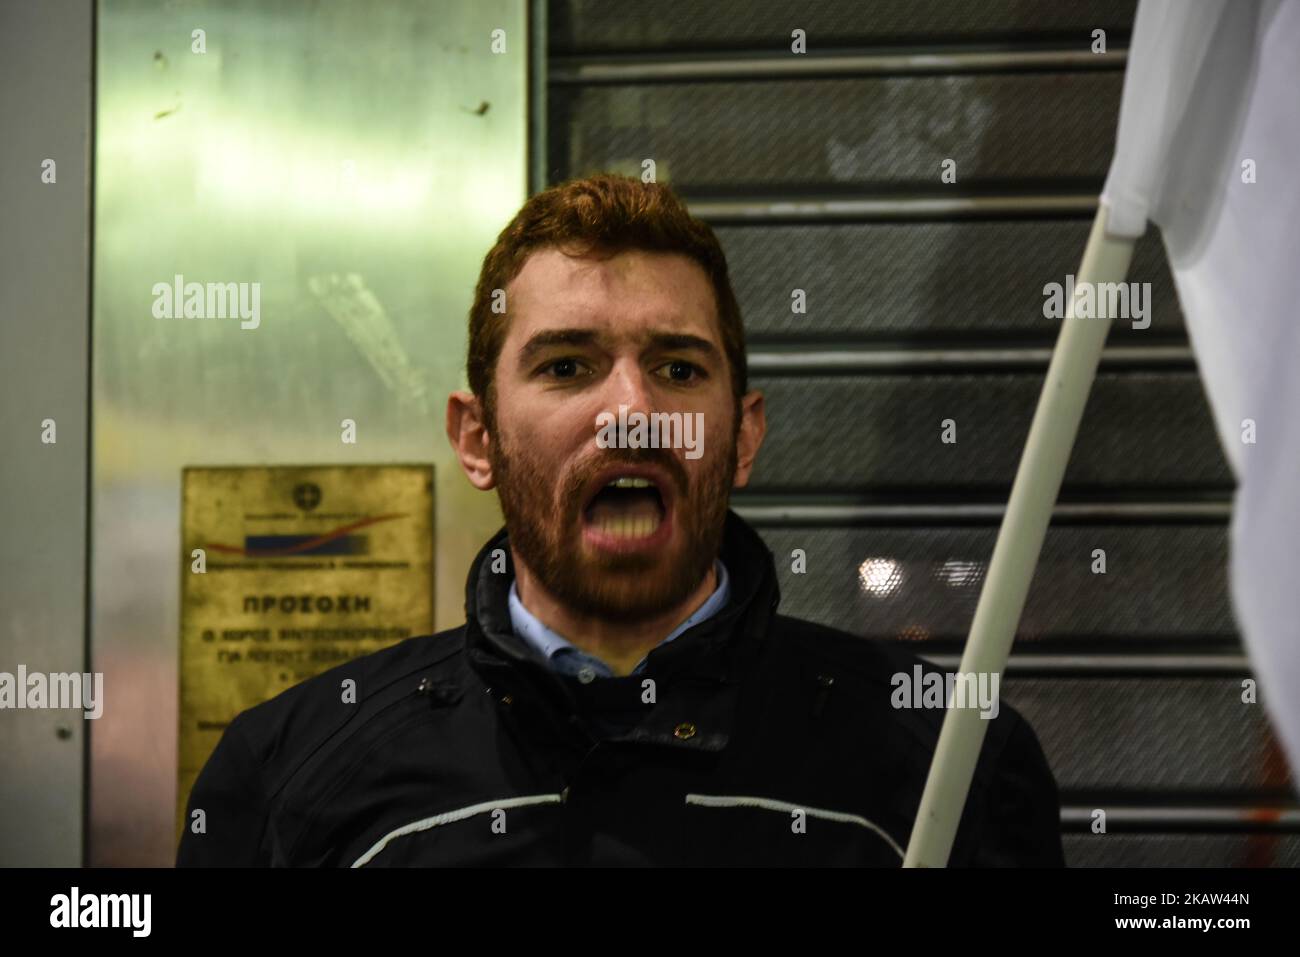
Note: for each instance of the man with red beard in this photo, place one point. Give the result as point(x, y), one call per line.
point(623, 691)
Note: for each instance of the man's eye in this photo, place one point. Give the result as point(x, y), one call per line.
point(680, 370)
point(563, 368)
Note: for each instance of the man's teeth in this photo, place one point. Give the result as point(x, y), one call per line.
point(628, 481)
point(628, 527)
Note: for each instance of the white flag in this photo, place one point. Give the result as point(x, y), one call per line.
point(1209, 150)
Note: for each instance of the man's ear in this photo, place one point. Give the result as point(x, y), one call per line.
point(753, 426)
point(467, 430)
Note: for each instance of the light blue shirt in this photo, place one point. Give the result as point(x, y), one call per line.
point(563, 656)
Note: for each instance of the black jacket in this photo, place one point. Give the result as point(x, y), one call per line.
point(770, 741)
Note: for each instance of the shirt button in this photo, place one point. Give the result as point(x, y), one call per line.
point(586, 674)
point(684, 730)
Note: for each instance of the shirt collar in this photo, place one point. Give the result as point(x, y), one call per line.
point(565, 657)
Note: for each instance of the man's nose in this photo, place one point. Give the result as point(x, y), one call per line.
point(629, 385)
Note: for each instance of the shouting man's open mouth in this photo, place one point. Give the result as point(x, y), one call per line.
point(628, 508)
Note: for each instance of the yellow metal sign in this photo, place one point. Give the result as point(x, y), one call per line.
point(287, 572)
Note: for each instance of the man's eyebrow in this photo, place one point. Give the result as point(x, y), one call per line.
point(542, 341)
point(551, 338)
point(672, 340)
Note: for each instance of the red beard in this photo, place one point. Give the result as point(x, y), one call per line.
point(544, 521)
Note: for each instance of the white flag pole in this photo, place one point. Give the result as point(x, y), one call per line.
point(1020, 539)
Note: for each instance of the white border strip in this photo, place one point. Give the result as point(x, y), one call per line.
point(770, 804)
point(450, 817)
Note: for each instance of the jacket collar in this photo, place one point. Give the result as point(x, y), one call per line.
point(714, 652)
